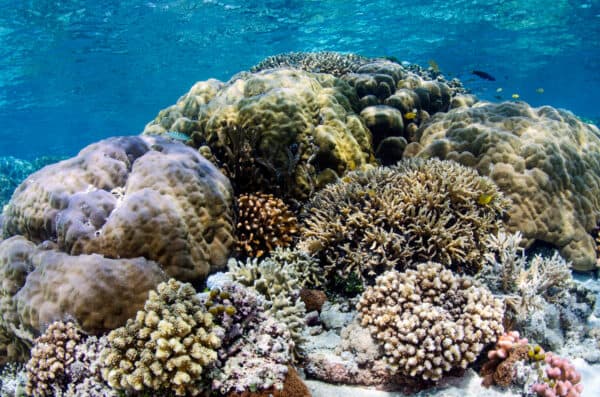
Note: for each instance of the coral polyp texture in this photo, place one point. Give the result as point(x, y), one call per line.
point(562, 378)
point(334, 63)
point(52, 353)
point(167, 347)
point(545, 160)
point(264, 222)
point(396, 217)
point(130, 197)
point(41, 286)
point(282, 129)
point(509, 349)
point(430, 321)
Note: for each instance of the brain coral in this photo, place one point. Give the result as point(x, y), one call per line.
point(288, 130)
point(430, 321)
point(129, 197)
point(166, 348)
point(395, 217)
point(544, 159)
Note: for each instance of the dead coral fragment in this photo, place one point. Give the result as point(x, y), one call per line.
point(52, 353)
point(395, 217)
point(166, 347)
point(430, 321)
point(264, 222)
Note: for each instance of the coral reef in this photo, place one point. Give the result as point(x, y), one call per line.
point(285, 130)
point(395, 217)
point(292, 387)
point(307, 268)
point(509, 349)
point(330, 62)
point(430, 321)
point(13, 378)
point(168, 346)
point(13, 171)
point(545, 160)
point(264, 222)
point(562, 379)
point(313, 299)
point(52, 352)
point(129, 197)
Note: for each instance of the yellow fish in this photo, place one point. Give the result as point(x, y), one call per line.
point(515, 96)
point(410, 116)
point(485, 199)
point(539, 90)
point(434, 65)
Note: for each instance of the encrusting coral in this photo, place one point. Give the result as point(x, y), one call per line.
point(395, 217)
point(51, 354)
point(168, 346)
point(544, 159)
point(264, 222)
point(130, 197)
point(285, 130)
point(430, 321)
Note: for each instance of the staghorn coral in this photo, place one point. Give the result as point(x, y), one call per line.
point(282, 129)
point(264, 222)
point(51, 354)
point(130, 197)
point(330, 62)
point(167, 347)
point(545, 160)
point(430, 321)
point(395, 217)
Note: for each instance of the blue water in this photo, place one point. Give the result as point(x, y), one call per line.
point(73, 72)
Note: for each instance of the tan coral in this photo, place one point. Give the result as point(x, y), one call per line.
point(52, 353)
point(264, 222)
point(396, 217)
point(429, 321)
point(291, 127)
point(168, 346)
point(545, 160)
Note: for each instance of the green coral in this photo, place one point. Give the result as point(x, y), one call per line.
point(166, 348)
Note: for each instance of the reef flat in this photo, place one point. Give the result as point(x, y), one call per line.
point(322, 224)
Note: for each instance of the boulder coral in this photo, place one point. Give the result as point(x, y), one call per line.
point(282, 129)
point(167, 347)
point(430, 321)
point(396, 217)
point(545, 160)
point(130, 197)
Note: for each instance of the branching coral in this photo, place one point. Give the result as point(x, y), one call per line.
point(562, 379)
point(51, 354)
point(430, 321)
point(166, 347)
point(395, 217)
point(263, 223)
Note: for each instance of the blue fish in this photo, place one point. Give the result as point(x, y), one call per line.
point(178, 136)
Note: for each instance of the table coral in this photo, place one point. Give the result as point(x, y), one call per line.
point(545, 160)
point(430, 321)
point(396, 217)
point(280, 129)
point(130, 197)
point(167, 347)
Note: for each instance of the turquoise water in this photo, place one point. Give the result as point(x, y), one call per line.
point(73, 72)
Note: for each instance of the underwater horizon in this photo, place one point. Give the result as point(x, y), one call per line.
point(73, 72)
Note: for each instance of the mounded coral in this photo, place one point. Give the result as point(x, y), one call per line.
point(288, 130)
point(395, 217)
point(51, 354)
point(264, 222)
point(334, 63)
point(167, 347)
point(430, 321)
point(544, 159)
point(129, 197)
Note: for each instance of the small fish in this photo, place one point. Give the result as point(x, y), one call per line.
point(499, 89)
point(515, 96)
point(483, 75)
point(178, 136)
point(539, 90)
point(485, 199)
point(498, 97)
point(434, 65)
point(410, 116)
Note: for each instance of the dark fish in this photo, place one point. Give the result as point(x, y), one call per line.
point(483, 75)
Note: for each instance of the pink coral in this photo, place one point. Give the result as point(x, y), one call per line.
point(505, 344)
point(563, 379)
